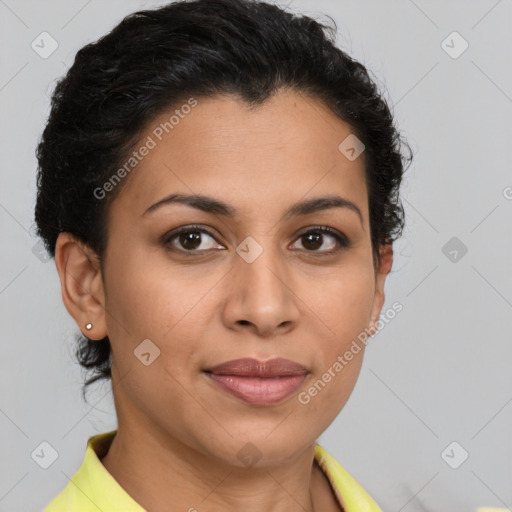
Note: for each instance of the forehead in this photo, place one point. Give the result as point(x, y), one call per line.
point(280, 151)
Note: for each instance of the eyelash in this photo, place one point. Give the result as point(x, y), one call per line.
point(343, 241)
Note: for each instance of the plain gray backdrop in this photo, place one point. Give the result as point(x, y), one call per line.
point(428, 426)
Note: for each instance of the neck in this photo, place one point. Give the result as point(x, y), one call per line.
point(157, 472)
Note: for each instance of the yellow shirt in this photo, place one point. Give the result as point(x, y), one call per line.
point(93, 489)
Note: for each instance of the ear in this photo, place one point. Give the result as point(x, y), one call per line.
point(81, 284)
point(383, 269)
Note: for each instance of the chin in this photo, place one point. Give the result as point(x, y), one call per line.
point(268, 447)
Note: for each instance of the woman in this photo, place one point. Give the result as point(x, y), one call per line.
point(218, 185)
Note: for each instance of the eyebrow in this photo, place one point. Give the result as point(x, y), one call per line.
point(211, 205)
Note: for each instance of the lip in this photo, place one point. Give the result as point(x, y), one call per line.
point(248, 367)
point(258, 382)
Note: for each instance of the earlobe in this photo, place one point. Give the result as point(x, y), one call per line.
point(81, 285)
point(383, 269)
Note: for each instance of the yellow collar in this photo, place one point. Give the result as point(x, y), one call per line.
point(92, 488)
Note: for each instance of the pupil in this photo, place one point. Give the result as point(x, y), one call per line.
point(316, 238)
point(191, 236)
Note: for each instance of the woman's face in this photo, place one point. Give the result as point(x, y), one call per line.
point(251, 285)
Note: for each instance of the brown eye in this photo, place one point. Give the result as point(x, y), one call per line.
point(195, 239)
point(313, 240)
point(190, 239)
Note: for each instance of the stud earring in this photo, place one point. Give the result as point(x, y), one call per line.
point(88, 326)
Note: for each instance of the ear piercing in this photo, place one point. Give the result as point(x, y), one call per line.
point(88, 326)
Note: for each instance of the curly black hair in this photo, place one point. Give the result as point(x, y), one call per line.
point(156, 58)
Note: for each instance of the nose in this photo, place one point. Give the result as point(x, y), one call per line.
point(261, 296)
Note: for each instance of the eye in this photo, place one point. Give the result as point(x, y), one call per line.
point(190, 239)
point(314, 238)
point(196, 239)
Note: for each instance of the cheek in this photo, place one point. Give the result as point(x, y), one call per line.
point(167, 307)
point(155, 304)
point(342, 303)
point(147, 298)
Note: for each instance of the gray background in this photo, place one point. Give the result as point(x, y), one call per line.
point(438, 373)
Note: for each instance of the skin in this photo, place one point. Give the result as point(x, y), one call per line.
point(178, 433)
